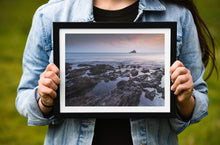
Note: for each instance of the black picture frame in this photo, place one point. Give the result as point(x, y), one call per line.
point(60, 32)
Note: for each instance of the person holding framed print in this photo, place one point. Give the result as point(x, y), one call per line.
point(40, 79)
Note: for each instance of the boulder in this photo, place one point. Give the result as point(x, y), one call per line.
point(150, 94)
point(134, 72)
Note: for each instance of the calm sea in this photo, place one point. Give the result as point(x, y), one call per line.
point(111, 58)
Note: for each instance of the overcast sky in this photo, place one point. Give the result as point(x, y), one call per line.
point(122, 43)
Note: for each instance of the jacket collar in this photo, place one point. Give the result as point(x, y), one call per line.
point(82, 10)
point(151, 5)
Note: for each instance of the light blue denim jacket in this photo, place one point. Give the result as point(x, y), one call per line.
point(39, 53)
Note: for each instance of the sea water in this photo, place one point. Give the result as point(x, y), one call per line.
point(155, 59)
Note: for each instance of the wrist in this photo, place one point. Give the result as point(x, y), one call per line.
point(186, 108)
point(45, 109)
point(46, 106)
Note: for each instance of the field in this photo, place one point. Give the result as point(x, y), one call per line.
point(15, 22)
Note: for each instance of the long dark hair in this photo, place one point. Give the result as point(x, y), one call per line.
point(205, 38)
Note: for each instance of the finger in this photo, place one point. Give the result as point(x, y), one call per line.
point(175, 65)
point(53, 76)
point(179, 80)
point(42, 75)
point(179, 71)
point(45, 92)
point(52, 67)
point(184, 95)
point(188, 87)
point(49, 83)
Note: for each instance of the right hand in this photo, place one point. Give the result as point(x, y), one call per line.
point(47, 86)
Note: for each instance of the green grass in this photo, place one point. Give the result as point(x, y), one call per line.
point(16, 17)
point(15, 22)
point(206, 131)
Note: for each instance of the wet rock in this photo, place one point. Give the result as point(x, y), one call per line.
point(133, 66)
point(121, 84)
point(163, 96)
point(145, 70)
point(157, 74)
point(77, 73)
point(141, 78)
point(150, 94)
point(138, 66)
point(84, 65)
point(127, 66)
point(121, 66)
point(92, 100)
point(126, 94)
point(112, 76)
point(83, 100)
point(146, 84)
point(109, 77)
point(118, 72)
point(100, 68)
point(125, 73)
point(160, 90)
point(81, 86)
point(134, 72)
point(68, 67)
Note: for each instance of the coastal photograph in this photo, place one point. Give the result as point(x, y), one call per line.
point(114, 69)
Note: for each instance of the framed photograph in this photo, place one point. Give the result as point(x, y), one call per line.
point(114, 69)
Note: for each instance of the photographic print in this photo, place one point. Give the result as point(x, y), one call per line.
point(114, 70)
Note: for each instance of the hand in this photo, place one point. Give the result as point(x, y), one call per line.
point(183, 88)
point(47, 86)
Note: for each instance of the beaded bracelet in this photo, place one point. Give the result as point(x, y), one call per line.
point(45, 105)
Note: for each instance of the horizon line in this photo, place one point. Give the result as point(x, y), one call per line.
point(114, 52)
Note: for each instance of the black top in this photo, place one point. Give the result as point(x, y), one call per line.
point(127, 14)
point(114, 131)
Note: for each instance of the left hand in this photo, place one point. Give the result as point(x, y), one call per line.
point(183, 88)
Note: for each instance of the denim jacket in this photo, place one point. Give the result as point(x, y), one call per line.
point(39, 53)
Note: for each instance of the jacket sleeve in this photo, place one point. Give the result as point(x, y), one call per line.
point(35, 60)
point(190, 55)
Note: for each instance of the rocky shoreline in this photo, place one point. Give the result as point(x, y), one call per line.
point(108, 85)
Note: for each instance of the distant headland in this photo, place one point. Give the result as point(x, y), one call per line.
point(133, 51)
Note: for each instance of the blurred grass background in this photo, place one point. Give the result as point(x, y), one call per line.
point(15, 23)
